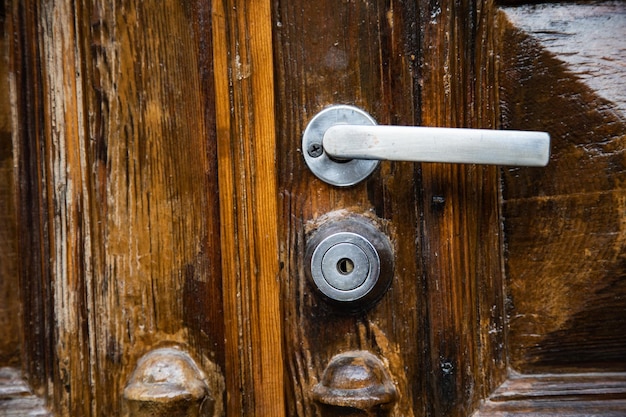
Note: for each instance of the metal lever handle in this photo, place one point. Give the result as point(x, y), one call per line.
point(435, 144)
point(344, 144)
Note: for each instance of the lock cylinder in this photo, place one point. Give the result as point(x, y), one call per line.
point(350, 262)
point(345, 266)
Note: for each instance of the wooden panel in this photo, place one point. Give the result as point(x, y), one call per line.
point(565, 223)
point(587, 38)
point(440, 327)
point(120, 240)
point(247, 182)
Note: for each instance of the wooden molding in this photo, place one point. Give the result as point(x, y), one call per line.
point(598, 394)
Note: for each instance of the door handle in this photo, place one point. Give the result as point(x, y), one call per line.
point(342, 145)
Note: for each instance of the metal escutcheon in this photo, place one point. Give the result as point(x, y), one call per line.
point(341, 173)
point(350, 262)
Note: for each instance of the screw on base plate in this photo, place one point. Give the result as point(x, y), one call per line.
point(315, 150)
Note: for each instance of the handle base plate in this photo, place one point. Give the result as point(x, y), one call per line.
point(332, 171)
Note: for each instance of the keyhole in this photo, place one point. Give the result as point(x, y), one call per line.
point(345, 266)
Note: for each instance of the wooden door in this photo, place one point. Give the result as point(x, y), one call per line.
point(166, 207)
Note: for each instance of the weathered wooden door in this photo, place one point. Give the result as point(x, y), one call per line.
point(167, 209)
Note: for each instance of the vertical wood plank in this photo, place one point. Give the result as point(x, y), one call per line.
point(247, 179)
point(364, 54)
point(33, 231)
point(66, 166)
point(117, 162)
point(440, 327)
point(462, 234)
point(10, 308)
point(154, 142)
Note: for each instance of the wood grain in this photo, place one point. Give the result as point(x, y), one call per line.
point(565, 223)
point(461, 209)
point(598, 394)
point(10, 309)
point(249, 223)
point(163, 199)
point(33, 243)
point(589, 386)
point(331, 53)
point(119, 227)
point(440, 327)
point(16, 397)
point(587, 38)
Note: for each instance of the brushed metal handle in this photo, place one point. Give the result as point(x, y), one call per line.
point(436, 144)
point(344, 144)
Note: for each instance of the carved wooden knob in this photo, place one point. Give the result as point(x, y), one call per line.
point(358, 380)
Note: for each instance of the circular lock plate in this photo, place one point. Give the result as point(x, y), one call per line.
point(338, 173)
point(349, 261)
